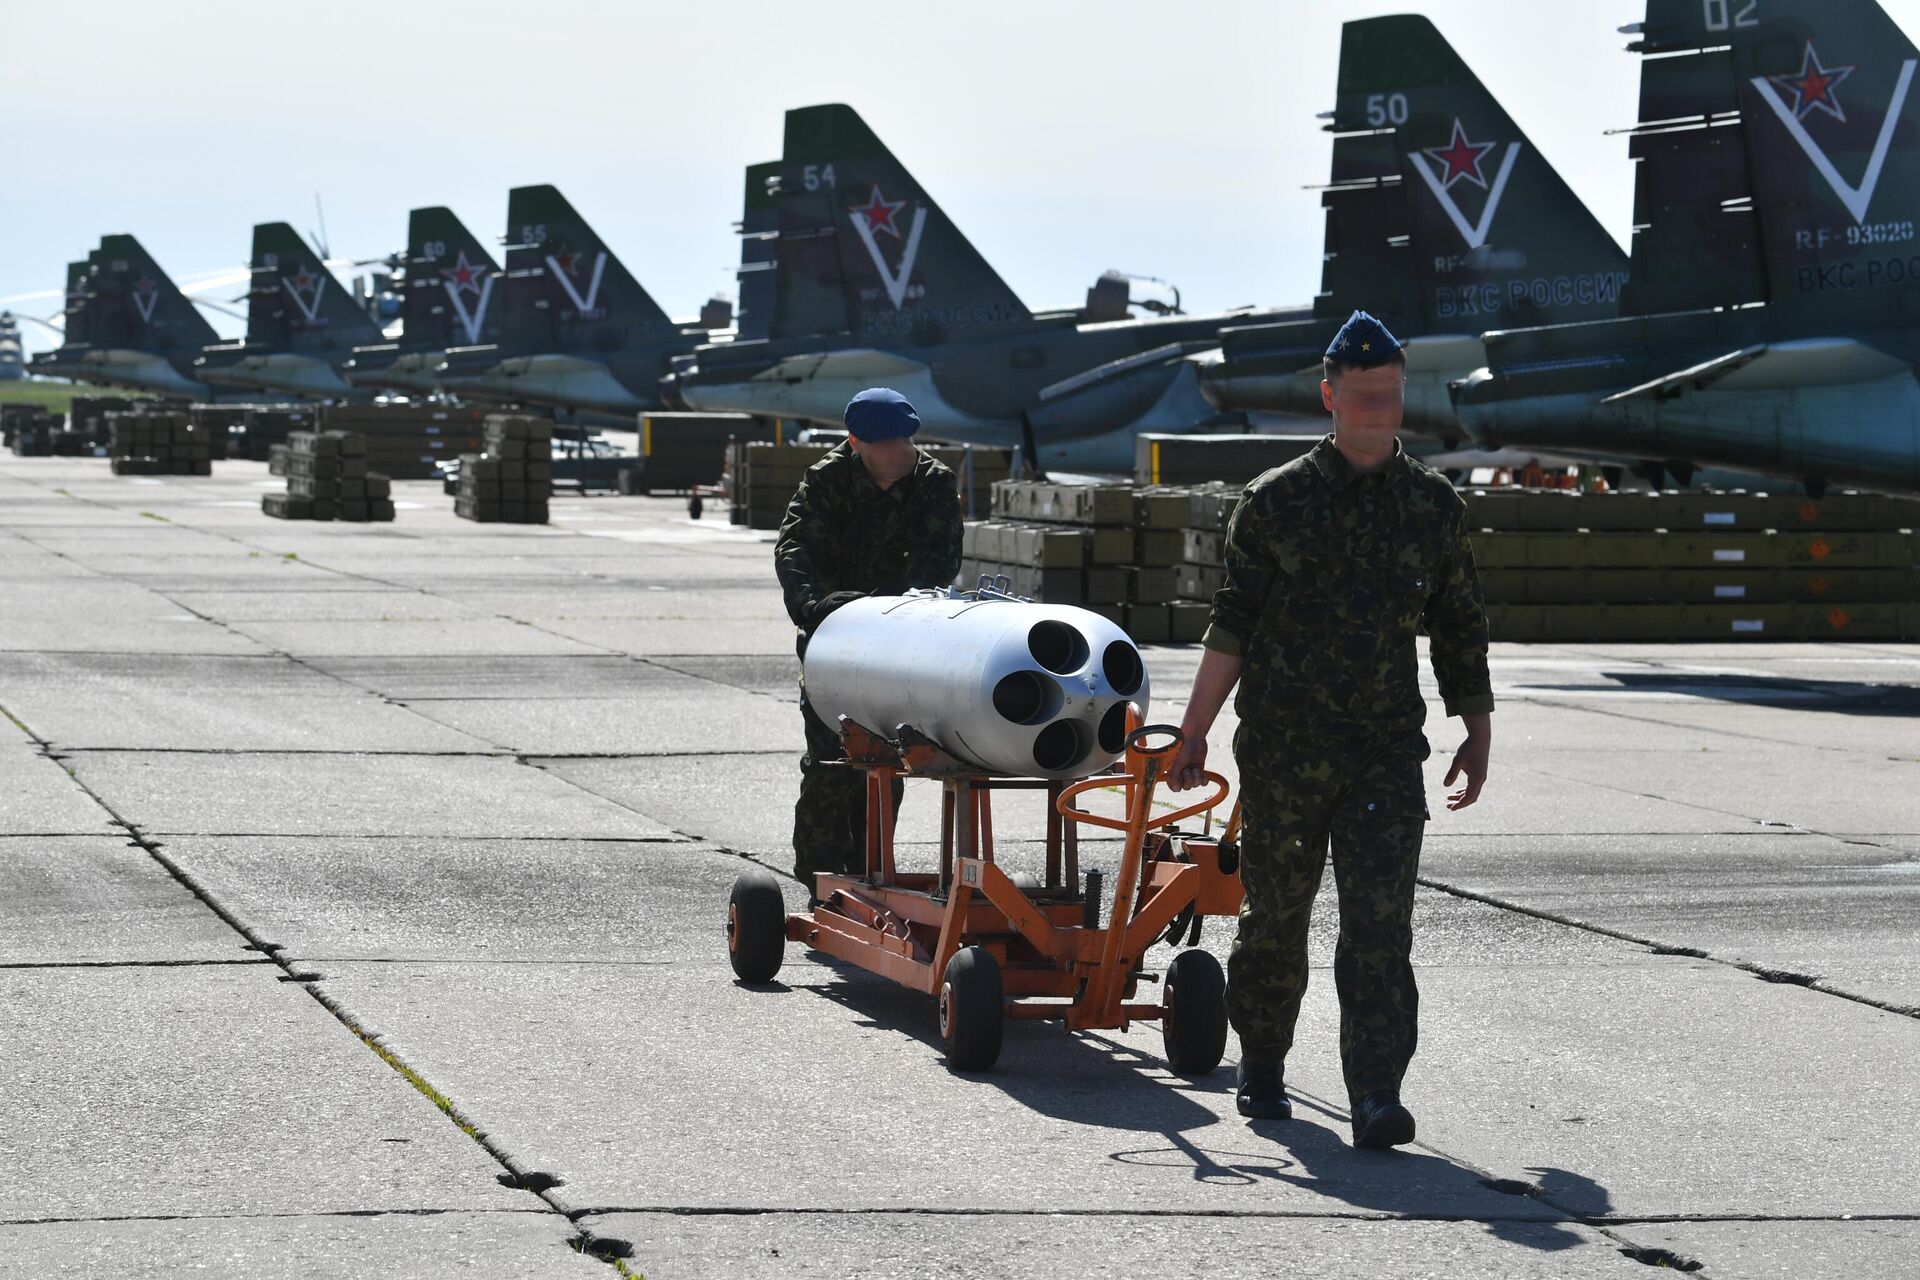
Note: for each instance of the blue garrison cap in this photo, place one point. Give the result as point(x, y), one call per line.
point(1364, 341)
point(881, 413)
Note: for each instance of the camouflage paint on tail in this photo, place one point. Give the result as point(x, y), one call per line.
point(863, 249)
point(295, 304)
point(453, 285)
point(565, 291)
point(1820, 176)
point(1440, 211)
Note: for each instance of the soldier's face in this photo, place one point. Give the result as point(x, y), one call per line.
point(887, 461)
point(1368, 405)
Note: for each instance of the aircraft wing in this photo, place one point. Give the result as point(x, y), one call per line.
point(1776, 366)
point(861, 364)
point(1119, 368)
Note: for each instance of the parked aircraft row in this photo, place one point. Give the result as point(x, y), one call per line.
point(1767, 317)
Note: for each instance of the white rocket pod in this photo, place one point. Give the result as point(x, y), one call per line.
point(1035, 690)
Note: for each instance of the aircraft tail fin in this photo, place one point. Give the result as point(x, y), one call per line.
point(1441, 207)
point(565, 290)
point(1795, 122)
point(863, 249)
point(130, 302)
point(73, 331)
point(452, 284)
point(295, 303)
point(759, 232)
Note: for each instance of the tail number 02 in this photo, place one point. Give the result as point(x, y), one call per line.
point(1387, 108)
point(1722, 14)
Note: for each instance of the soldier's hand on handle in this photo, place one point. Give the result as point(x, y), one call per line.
point(821, 608)
point(1188, 767)
point(1471, 760)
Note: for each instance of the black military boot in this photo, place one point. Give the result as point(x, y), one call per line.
point(1263, 1092)
point(1379, 1121)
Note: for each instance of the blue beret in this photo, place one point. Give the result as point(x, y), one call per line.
point(1364, 341)
point(881, 413)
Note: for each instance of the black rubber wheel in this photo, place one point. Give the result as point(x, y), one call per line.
point(756, 927)
point(695, 506)
point(1194, 1026)
point(972, 1009)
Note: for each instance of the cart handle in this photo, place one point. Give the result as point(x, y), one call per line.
point(1136, 740)
point(1067, 811)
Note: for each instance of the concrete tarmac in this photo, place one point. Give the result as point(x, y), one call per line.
point(361, 893)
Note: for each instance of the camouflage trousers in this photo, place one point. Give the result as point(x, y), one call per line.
point(1373, 816)
point(830, 819)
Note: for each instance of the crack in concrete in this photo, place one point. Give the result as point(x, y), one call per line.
point(1609, 713)
point(1765, 973)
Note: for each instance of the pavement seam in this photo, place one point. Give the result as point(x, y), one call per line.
point(253, 1217)
point(129, 964)
point(605, 1250)
point(65, 748)
point(673, 839)
point(272, 651)
point(1559, 704)
point(1357, 1215)
point(648, 660)
point(1765, 973)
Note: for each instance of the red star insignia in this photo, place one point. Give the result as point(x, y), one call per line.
point(464, 274)
point(879, 213)
point(1462, 158)
point(144, 286)
point(565, 260)
point(1812, 86)
point(302, 282)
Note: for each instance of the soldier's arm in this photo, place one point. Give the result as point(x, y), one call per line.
point(1456, 618)
point(1212, 684)
point(937, 562)
point(1251, 570)
point(796, 552)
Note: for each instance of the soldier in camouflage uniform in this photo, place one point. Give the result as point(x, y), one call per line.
point(1334, 562)
point(876, 516)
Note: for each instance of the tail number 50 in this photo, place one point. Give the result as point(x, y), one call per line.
point(1384, 109)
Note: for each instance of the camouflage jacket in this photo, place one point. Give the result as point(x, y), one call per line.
point(843, 532)
point(1330, 575)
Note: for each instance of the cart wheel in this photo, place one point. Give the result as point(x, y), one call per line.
point(1195, 1024)
point(756, 927)
point(972, 1009)
point(695, 506)
point(1026, 882)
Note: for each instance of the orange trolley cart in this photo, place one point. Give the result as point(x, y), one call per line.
point(993, 947)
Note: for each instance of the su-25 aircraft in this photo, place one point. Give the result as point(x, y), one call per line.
point(128, 325)
point(302, 324)
point(874, 284)
point(451, 295)
point(1773, 315)
point(1442, 219)
point(576, 329)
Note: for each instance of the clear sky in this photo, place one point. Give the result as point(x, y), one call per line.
point(1174, 140)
